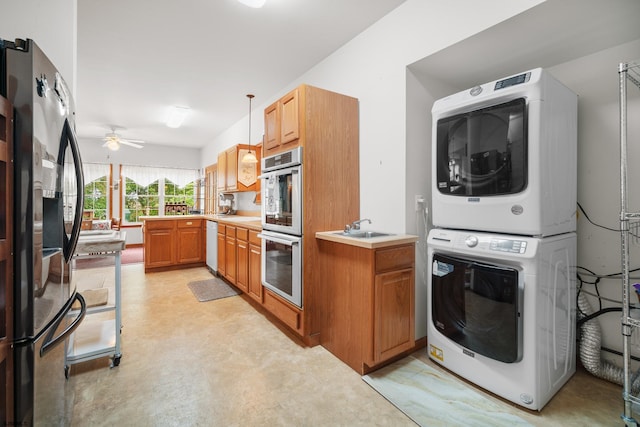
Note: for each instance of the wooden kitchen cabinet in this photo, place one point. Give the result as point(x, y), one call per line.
point(159, 249)
point(221, 184)
point(235, 176)
point(190, 239)
point(271, 128)
point(173, 243)
point(222, 254)
point(230, 254)
point(210, 179)
point(282, 123)
point(369, 303)
point(242, 259)
point(325, 125)
point(255, 267)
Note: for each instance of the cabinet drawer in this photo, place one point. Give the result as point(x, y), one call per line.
point(189, 223)
point(395, 258)
point(242, 234)
point(222, 229)
point(283, 311)
point(253, 238)
point(231, 231)
point(160, 225)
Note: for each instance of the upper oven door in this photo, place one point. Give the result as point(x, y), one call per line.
point(282, 200)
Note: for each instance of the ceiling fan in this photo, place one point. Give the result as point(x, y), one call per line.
point(113, 141)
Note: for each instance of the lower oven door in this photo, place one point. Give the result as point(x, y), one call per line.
point(282, 265)
point(478, 306)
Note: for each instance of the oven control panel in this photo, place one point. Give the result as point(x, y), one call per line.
point(508, 245)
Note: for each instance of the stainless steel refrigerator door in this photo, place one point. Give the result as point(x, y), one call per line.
point(44, 143)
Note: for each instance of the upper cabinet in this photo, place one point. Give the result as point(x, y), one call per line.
point(282, 123)
point(210, 179)
point(234, 175)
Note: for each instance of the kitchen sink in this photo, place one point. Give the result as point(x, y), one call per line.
point(363, 234)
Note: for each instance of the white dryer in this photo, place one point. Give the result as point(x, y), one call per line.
point(504, 157)
point(501, 311)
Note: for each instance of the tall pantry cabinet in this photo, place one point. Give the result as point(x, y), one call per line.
point(325, 125)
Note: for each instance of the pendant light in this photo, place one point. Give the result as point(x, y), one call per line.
point(249, 157)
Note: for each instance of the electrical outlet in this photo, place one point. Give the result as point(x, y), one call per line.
point(419, 201)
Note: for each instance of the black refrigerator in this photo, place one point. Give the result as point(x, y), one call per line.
point(47, 212)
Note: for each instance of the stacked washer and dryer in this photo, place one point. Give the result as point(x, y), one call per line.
point(502, 289)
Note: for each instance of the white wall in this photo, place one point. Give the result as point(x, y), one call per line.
point(373, 68)
point(52, 24)
point(595, 79)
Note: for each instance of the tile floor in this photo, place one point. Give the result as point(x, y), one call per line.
point(223, 363)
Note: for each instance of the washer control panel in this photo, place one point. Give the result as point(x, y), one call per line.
point(508, 245)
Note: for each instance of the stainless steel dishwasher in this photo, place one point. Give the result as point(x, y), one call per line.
point(212, 246)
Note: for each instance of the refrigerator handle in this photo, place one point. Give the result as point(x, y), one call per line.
point(50, 342)
point(71, 241)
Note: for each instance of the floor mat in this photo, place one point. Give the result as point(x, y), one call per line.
point(434, 398)
point(211, 289)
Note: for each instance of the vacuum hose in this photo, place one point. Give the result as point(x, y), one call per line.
point(590, 344)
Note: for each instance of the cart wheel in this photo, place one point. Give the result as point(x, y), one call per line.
point(66, 371)
point(116, 361)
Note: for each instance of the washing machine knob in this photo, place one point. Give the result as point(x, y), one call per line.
point(471, 241)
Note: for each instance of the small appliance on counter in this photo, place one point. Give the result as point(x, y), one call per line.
point(225, 204)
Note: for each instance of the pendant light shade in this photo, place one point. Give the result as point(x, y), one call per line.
point(250, 157)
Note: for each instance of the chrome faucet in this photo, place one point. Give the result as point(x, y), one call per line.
point(355, 225)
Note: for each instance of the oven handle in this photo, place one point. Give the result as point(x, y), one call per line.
point(284, 241)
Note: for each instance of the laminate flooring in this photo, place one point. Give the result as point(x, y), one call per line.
point(224, 363)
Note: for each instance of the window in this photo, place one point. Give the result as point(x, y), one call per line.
point(148, 189)
point(96, 189)
point(140, 200)
point(175, 194)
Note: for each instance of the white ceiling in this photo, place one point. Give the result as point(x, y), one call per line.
point(138, 58)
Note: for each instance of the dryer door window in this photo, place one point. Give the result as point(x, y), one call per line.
point(483, 152)
point(478, 306)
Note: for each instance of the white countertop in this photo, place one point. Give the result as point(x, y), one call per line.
point(369, 243)
point(93, 241)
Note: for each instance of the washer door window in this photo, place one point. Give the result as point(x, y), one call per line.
point(478, 306)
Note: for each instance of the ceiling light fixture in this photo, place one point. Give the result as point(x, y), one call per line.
point(177, 116)
point(249, 157)
point(253, 3)
point(113, 144)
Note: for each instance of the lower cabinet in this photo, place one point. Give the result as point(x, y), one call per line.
point(230, 254)
point(159, 248)
point(368, 306)
point(191, 239)
point(173, 243)
point(242, 259)
point(222, 254)
point(239, 259)
point(254, 267)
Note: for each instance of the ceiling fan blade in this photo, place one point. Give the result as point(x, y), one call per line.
point(135, 141)
point(129, 143)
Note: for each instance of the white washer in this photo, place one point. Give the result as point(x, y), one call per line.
point(504, 157)
point(501, 311)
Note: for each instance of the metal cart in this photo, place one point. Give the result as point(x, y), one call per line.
point(95, 339)
point(628, 72)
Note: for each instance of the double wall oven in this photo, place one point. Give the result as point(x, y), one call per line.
point(282, 225)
